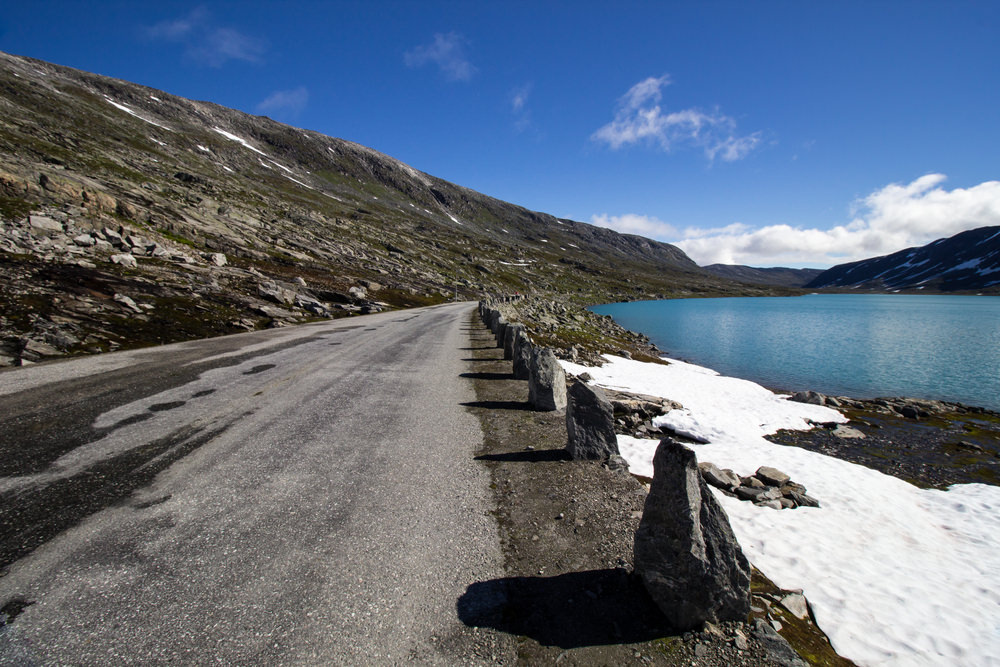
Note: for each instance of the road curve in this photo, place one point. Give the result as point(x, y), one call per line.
point(304, 495)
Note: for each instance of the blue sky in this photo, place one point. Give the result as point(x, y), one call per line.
point(762, 133)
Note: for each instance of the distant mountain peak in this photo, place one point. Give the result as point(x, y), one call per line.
point(968, 261)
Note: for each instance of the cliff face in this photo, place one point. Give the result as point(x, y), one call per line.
point(969, 261)
point(232, 221)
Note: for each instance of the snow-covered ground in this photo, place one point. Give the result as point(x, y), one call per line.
point(896, 575)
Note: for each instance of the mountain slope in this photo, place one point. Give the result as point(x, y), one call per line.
point(232, 221)
point(968, 261)
point(782, 276)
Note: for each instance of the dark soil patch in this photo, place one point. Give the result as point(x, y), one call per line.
point(944, 449)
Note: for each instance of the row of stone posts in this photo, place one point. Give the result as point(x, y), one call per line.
point(538, 365)
point(685, 550)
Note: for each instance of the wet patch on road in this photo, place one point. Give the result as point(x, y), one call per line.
point(163, 407)
point(259, 369)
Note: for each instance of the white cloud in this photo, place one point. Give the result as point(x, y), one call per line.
point(640, 120)
point(447, 52)
point(205, 43)
point(631, 223)
point(519, 107)
point(289, 101)
point(895, 217)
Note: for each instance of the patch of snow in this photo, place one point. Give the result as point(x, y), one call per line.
point(281, 166)
point(453, 218)
point(504, 230)
point(203, 148)
point(971, 264)
point(265, 165)
point(573, 244)
point(544, 240)
point(333, 197)
point(227, 169)
point(155, 98)
point(895, 575)
point(157, 141)
point(134, 113)
point(987, 240)
point(515, 263)
point(295, 180)
point(239, 140)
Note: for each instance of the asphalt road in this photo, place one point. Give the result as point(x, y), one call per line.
point(297, 496)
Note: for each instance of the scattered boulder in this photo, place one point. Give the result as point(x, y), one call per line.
point(717, 477)
point(589, 423)
point(811, 397)
point(272, 291)
point(685, 550)
point(44, 223)
point(128, 303)
point(216, 258)
point(771, 476)
point(125, 259)
point(546, 381)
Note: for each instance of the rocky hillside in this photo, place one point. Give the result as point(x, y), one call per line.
point(969, 261)
point(131, 216)
point(780, 276)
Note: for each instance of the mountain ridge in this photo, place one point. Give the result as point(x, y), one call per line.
point(108, 163)
point(967, 261)
point(778, 275)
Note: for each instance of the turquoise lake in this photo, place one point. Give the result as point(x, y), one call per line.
point(860, 345)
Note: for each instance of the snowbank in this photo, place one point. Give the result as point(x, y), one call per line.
point(896, 575)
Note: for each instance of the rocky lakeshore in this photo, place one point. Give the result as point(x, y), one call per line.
point(919, 430)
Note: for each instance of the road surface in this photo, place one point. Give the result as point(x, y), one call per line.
point(304, 495)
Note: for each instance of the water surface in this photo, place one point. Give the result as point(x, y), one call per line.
point(861, 345)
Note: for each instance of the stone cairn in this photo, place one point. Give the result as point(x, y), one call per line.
point(768, 487)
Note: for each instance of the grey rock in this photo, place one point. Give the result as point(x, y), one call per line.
point(589, 423)
point(128, 303)
point(757, 494)
point(788, 487)
point(508, 339)
point(812, 397)
point(847, 432)
point(773, 504)
point(276, 293)
point(771, 476)
point(125, 259)
point(752, 482)
point(717, 477)
point(802, 500)
point(546, 381)
point(217, 258)
point(779, 650)
point(358, 292)
point(685, 550)
point(797, 604)
point(521, 355)
point(44, 223)
point(84, 240)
